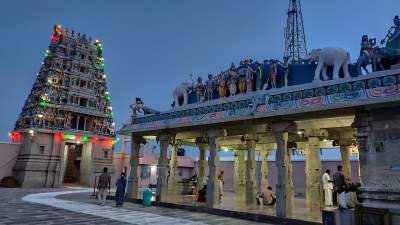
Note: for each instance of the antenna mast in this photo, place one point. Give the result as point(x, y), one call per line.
point(295, 40)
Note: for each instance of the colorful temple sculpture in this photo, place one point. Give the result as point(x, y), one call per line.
point(66, 127)
point(260, 106)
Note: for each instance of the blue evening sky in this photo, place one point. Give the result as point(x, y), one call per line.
point(151, 46)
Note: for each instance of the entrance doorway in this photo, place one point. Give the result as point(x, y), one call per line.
point(73, 163)
point(76, 163)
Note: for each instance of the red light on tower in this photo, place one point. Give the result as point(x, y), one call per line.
point(78, 137)
point(58, 137)
point(94, 140)
point(108, 143)
point(15, 136)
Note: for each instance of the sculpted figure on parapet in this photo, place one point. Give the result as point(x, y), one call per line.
point(138, 108)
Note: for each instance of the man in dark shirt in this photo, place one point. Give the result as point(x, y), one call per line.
point(102, 186)
point(339, 179)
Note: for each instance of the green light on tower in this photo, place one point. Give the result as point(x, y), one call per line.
point(42, 103)
point(85, 138)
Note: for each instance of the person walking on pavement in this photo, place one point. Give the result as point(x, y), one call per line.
point(120, 193)
point(328, 186)
point(102, 186)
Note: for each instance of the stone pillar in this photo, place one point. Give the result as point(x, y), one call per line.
point(378, 145)
point(202, 163)
point(283, 203)
point(264, 170)
point(345, 157)
point(173, 165)
point(251, 182)
point(77, 122)
point(313, 176)
point(304, 149)
point(213, 193)
point(289, 182)
point(133, 184)
point(162, 188)
point(239, 177)
point(123, 144)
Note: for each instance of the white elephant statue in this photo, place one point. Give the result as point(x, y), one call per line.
point(330, 56)
point(182, 92)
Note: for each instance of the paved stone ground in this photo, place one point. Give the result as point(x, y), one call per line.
point(14, 210)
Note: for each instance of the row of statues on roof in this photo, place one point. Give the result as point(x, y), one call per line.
point(249, 76)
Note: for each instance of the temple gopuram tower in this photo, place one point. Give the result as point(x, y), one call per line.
point(66, 130)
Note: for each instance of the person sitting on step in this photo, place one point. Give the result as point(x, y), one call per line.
point(266, 198)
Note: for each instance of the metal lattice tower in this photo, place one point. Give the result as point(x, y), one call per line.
point(295, 40)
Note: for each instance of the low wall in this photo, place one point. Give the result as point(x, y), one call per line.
point(8, 157)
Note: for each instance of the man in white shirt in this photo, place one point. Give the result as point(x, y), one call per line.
point(328, 187)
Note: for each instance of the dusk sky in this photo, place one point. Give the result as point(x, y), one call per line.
point(152, 46)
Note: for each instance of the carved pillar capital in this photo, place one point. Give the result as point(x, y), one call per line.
point(266, 148)
point(201, 140)
point(138, 139)
point(281, 126)
point(315, 132)
point(250, 137)
point(166, 136)
point(214, 133)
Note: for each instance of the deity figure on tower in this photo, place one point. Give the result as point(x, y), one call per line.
point(210, 87)
point(222, 85)
point(394, 30)
point(367, 47)
point(200, 88)
point(260, 76)
point(285, 67)
point(273, 72)
point(138, 108)
point(250, 77)
point(233, 80)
